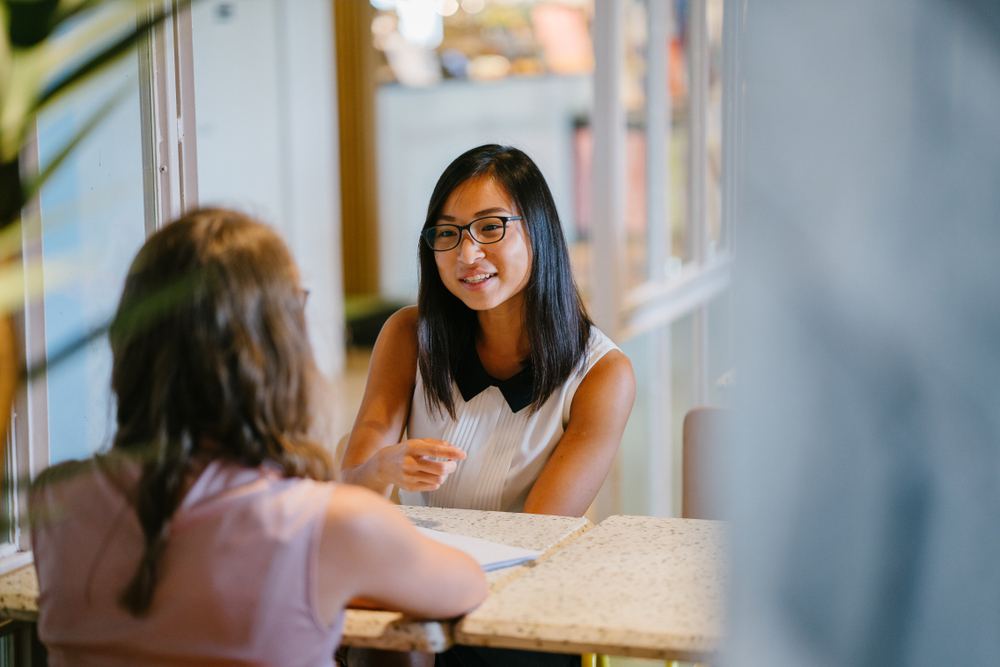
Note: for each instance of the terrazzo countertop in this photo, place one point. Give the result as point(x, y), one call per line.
point(633, 586)
point(19, 594)
point(394, 631)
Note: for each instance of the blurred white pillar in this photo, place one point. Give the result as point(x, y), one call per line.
point(608, 229)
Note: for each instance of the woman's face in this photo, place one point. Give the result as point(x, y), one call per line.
point(484, 276)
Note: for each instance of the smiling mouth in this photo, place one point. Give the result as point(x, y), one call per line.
point(476, 279)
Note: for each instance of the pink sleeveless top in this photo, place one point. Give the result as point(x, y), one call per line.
point(237, 578)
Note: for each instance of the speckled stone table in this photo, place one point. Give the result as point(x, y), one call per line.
point(19, 594)
point(632, 586)
point(394, 631)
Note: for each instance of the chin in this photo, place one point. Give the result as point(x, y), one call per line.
point(475, 300)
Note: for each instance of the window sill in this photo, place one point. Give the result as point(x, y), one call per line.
point(15, 561)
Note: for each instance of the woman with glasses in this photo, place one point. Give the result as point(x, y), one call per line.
point(210, 534)
point(495, 392)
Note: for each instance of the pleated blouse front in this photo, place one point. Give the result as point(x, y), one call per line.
point(506, 447)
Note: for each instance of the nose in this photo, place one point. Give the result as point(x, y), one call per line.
point(468, 250)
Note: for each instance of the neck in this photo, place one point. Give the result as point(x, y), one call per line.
point(502, 342)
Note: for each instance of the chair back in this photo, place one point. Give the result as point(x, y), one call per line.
point(703, 440)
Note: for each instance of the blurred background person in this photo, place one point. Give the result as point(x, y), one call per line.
point(864, 484)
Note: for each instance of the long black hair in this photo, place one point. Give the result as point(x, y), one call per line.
point(228, 362)
point(555, 320)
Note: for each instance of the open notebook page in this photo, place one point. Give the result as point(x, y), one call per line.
point(489, 555)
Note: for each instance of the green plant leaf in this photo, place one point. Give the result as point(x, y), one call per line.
point(6, 54)
point(10, 241)
point(11, 193)
point(67, 9)
point(13, 289)
point(31, 21)
point(17, 97)
point(108, 55)
point(35, 76)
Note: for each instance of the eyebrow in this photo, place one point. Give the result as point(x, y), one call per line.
point(480, 214)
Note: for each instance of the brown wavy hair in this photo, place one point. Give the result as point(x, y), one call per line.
point(210, 359)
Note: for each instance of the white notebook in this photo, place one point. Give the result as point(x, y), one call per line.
point(489, 555)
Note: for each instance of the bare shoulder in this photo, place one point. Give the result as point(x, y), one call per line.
point(395, 353)
point(350, 504)
point(358, 513)
point(365, 533)
point(612, 372)
point(401, 326)
point(609, 384)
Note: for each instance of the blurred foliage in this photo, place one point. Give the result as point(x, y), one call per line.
point(46, 48)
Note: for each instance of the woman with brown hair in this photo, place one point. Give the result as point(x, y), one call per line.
point(210, 533)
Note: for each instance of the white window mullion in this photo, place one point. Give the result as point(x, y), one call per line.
point(698, 174)
point(171, 102)
point(609, 130)
point(659, 125)
point(732, 101)
point(608, 230)
point(30, 452)
point(658, 138)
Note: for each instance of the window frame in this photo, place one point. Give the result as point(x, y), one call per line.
point(625, 313)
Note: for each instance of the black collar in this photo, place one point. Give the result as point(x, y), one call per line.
point(472, 379)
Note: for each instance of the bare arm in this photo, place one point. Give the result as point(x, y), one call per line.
point(375, 457)
point(569, 482)
point(370, 550)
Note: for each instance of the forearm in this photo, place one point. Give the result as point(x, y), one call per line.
point(572, 477)
point(367, 475)
point(569, 504)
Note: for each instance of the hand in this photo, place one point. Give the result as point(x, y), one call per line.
point(409, 465)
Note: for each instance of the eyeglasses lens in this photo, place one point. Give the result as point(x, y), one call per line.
point(446, 237)
point(488, 230)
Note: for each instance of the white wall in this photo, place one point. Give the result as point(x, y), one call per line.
point(267, 141)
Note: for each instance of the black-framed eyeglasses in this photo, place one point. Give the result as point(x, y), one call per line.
point(483, 231)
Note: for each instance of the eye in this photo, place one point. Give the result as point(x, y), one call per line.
point(492, 226)
point(443, 233)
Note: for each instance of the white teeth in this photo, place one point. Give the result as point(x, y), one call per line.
point(478, 278)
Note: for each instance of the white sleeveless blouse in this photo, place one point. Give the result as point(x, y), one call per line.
point(506, 449)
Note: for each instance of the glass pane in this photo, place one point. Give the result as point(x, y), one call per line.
point(92, 225)
point(657, 108)
point(638, 440)
point(682, 396)
point(663, 363)
point(721, 369)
